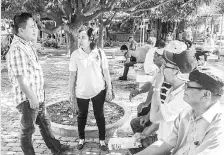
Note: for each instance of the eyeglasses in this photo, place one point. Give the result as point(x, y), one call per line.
point(186, 86)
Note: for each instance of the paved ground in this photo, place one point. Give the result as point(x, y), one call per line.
point(10, 126)
point(10, 132)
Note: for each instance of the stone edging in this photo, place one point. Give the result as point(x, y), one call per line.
point(90, 132)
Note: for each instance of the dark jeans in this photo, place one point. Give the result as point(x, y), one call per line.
point(98, 108)
point(204, 53)
point(126, 67)
point(136, 127)
point(28, 119)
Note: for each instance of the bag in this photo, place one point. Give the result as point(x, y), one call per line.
point(113, 94)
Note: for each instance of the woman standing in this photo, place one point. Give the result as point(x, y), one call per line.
point(89, 80)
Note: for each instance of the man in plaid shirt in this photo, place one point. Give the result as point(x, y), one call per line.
point(26, 76)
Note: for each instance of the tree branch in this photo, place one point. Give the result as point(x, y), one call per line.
point(146, 9)
point(96, 14)
point(109, 20)
point(80, 6)
point(66, 7)
point(92, 5)
point(133, 7)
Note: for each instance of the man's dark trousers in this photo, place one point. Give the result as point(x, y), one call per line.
point(28, 119)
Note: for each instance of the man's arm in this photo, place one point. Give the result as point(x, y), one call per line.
point(34, 103)
point(150, 130)
point(157, 148)
point(155, 113)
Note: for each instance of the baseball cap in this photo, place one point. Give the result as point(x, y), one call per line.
point(185, 60)
point(209, 78)
point(175, 46)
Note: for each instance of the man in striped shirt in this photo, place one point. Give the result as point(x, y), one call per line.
point(167, 97)
point(26, 76)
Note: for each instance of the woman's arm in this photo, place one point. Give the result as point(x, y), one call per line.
point(106, 74)
point(72, 84)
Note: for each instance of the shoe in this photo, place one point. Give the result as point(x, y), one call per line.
point(63, 149)
point(81, 144)
point(103, 146)
point(123, 78)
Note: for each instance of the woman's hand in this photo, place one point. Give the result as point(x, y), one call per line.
point(74, 104)
point(109, 95)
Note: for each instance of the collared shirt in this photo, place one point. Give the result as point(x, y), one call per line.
point(90, 80)
point(170, 109)
point(22, 60)
point(200, 135)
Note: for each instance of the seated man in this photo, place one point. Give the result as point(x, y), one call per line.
point(167, 97)
point(200, 130)
point(130, 61)
point(208, 47)
point(143, 51)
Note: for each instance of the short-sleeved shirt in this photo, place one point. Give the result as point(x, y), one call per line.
point(149, 66)
point(22, 60)
point(170, 109)
point(198, 135)
point(90, 80)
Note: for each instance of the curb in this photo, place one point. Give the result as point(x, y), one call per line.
point(90, 132)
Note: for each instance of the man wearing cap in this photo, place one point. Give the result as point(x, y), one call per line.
point(167, 98)
point(199, 130)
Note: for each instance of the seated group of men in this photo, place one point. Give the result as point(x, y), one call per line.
point(181, 114)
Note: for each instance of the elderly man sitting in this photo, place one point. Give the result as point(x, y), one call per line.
point(200, 130)
point(167, 96)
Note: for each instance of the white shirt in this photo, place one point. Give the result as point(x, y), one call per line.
point(171, 108)
point(149, 66)
point(201, 135)
point(90, 80)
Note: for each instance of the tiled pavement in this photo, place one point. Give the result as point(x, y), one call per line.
point(10, 144)
point(10, 135)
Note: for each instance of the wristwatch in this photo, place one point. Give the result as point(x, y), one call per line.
point(156, 89)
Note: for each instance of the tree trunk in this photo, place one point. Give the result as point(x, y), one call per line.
point(101, 28)
point(73, 39)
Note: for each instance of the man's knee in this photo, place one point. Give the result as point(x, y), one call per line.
point(135, 124)
point(27, 131)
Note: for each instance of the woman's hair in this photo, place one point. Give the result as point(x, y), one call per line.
point(92, 36)
point(124, 47)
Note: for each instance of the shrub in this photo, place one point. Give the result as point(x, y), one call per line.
point(51, 43)
point(5, 44)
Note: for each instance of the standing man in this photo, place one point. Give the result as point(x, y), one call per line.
point(199, 130)
point(133, 44)
point(26, 76)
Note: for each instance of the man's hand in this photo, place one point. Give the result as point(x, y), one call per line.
point(144, 120)
point(34, 103)
point(141, 106)
point(139, 136)
point(133, 93)
point(74, 104)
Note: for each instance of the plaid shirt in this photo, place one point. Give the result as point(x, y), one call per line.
point(22, 60)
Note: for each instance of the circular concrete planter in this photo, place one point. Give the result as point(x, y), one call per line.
point(90, 132)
